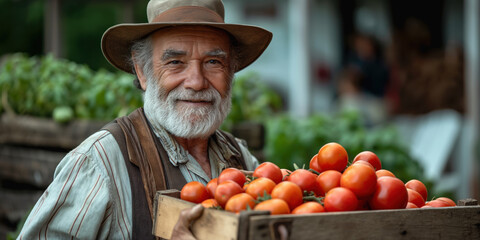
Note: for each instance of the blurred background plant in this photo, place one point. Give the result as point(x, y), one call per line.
point(64, 90)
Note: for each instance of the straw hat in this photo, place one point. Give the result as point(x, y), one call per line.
point(117, 40)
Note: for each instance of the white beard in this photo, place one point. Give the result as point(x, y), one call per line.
point(185, 121)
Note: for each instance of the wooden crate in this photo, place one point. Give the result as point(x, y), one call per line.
point(461, 222)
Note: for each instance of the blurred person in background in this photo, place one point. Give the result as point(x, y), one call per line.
point(184, 59)
point(423, 79)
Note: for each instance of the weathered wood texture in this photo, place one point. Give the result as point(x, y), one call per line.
point(429, 223)
point(15, 204)
point(39, 132)
point(462, 222)
point(30, 166)
point(212, 225)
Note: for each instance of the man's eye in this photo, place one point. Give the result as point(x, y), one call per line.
point(174, 62)
point(213, 61)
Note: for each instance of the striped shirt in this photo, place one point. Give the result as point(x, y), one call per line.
point(90, 195)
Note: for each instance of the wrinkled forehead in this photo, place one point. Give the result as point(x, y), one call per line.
point(213, 37)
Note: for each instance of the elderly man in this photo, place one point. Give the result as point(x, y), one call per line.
point(184, 60)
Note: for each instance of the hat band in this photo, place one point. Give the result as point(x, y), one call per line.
point(189, 14)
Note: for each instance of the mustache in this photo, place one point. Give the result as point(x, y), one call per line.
point(181, 94)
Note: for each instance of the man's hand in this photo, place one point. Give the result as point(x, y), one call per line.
point(182, 228)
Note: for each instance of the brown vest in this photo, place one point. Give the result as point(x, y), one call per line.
point(149, 169)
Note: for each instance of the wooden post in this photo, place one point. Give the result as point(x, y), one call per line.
point(472, 89)
point(299, 60)
point(51, 40)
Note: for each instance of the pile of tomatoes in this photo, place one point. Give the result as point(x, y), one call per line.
point(330, 184)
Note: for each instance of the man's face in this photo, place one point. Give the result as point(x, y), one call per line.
point(189, 92)
point(193, 58)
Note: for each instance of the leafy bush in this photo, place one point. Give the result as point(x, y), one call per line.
point(252, 100)
point(49, 87)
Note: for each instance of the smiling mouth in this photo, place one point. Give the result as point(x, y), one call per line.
point(195, 102)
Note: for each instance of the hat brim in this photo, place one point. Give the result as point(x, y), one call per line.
point(251, 41)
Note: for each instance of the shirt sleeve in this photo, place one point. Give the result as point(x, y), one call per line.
point(81, 201)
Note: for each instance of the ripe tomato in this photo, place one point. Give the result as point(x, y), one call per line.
point(418, 186)
point(212, 186)
point(359, 178)
point(411, 205)
point(384, 172)
point(332, 156)
point(369, 157)
point(390, 193)
point(275, 206)
point(328, 179)
point(239, 202)
point(305, 179)
point(290, 192)
point(415, 198)
point(308, 207)
point(285, 173)
point(232, 174)
point(364, 163)
point(437, 203)
point(449, 201)
point(226, 190)
point(340, 199)
point(210, 203)
point(314, 164)
point(268, 170)
point(259, 187)
point(194, 192)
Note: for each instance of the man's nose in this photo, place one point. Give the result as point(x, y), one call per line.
point(195, 77)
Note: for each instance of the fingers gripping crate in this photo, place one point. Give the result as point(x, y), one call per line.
point(461, 222)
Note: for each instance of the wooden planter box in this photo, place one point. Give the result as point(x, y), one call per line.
point(461, 222)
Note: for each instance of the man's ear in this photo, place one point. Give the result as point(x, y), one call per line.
point(141, 77)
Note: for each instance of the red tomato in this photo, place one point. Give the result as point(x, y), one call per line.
point(328, 179)
point(210, 203)
point(226, 190)
point(194, 192)
point(239, 202)
point(384, 173)
point(359, 178)
point(369, 157)
point(449, 201)
point(390, 193)
point(411, 205)
point(364, 163)
point(332, 156)
point(418, 186)
point(275, 206)
point(437, 203)
point(259, 187)
point(308, 207)
point(290, 192)
point(268, 170)
point(305, 179)
point(314, 164)
point(212, 186)
point(232, 174)
point(415, 198)
point(340, 199)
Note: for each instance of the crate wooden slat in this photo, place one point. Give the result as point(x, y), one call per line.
point(212, 225)
point(461, 222)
